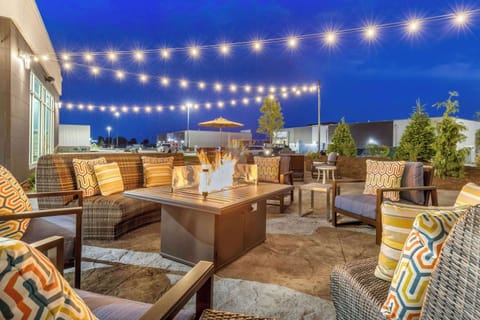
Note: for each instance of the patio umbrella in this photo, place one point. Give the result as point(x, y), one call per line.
point(221, 123)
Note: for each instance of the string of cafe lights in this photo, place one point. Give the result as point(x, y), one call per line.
point(118, 109)
point(370, 32)
point(184, 83)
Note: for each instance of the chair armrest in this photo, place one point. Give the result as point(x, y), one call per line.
point(78, 193)
point(198, 280)
point(336, 187)
point(42, 213)
point(431, 189)
point(47, 245)
point(288, 174)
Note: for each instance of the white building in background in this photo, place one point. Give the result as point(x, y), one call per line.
point(74, 136)
point(206, 138)
point(389, 133)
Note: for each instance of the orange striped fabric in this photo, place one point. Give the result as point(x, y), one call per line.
point(12, 200)
point(109, 178)
point(384, 174)
point(157, 174)
point(146, 161)
point(469, 195)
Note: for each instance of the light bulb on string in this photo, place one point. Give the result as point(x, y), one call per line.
point(143, 78)
point(138, 55)
point(88, 57)
point(194, 52)
point(165, 53)
point(248, 88)
point(260, 89)
point(208, 105)
point(292, 42)
point(95, 71)
point(67, 66)
point(120, 75)
point(370, 32)
point(257, 45)
point(225, 49)
point(233, 88)
point(159, 108)
point(460, 18)
point(65, 57)
point(218, 87)
point(201, 85)
point(413, 26)
point(220, 104)
point(112, 56)
point(183, 83)
point(330, 38)
point(164, 81)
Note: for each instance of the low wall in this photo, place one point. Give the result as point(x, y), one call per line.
point(355, 168)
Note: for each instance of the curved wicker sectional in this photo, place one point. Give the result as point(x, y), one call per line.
point(104, 217)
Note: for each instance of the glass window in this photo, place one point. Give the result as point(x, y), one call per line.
point(42, 112)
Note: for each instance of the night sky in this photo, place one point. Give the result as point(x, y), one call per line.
point(361, 80)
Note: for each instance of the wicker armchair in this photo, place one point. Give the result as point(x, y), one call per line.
point(453, 292)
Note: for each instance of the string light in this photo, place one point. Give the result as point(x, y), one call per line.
point(413, 26)
point(183, 83)
point(67, 66)
point(330, 37)
point(95, 71)
point(165, 53)
point(218, 87)
point(248, 88)
point(224, 49)
point(112, 56)
point(143, 78)
point(194, 52)
point(138, 55)
point(65, 56)
point(201, 85)
point(257, 45)
point(164, 81)
point(292, 42)
point(120, 75)
point(460, 18)
point(233, 88)
point(370, 32)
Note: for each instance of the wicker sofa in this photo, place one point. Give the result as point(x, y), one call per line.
point(453, 292)
point(104, 217)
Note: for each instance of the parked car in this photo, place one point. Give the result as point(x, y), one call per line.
point(165, 148)
point(255, 150)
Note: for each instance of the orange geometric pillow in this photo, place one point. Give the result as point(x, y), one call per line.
point(85, 175)
point(268, 168)
point(384, 174)
point(12, 200)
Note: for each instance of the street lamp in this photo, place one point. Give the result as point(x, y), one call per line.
point(109, 129)
point(189, 105)
point(117, 115)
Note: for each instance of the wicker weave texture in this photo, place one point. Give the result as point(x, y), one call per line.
point(210, 314)
point(454, 290)
point(357, 294)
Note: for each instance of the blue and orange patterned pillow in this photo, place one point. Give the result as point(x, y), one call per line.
point(32, 288)
point(12, 200)
point(419, 258)
point(384, 174)
point(268, 169)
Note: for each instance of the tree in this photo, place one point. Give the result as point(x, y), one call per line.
point(271, 119)
point(416, 142)
point(132, 141)
point(377, 151)
point(342, 141)
point(448, 160)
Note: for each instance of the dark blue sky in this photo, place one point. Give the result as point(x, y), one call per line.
point(360, 80)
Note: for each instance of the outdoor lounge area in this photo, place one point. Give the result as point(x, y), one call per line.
point(296, 160)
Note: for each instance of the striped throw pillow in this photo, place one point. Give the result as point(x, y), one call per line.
point(12, 200)
point(155, 160)
point(397, 222)
point(85, 175)
point(419, 258)
point(384, 174)
point(109, 178)
point(32, 288)
point(157, 174)
point(469, 195)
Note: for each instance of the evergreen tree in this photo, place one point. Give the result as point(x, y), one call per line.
point(342, 141)
point(271, 119)
point(448, 161)
point(416, 142)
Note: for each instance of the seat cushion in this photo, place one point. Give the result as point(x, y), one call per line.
point(64, 226)
point(113, 308)
point(413, 177)
point(102, 215)
point(32, 288)
point(469, 195)
point(12, 200)
point(361, 204)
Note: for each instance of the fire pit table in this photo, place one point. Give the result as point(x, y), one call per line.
point(220, 228)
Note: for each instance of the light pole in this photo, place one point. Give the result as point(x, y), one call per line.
point(318, 114)
point(189, 105)
point(108, 134)
point(117, 115)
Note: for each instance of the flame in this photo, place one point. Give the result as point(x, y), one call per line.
point(217, 175)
